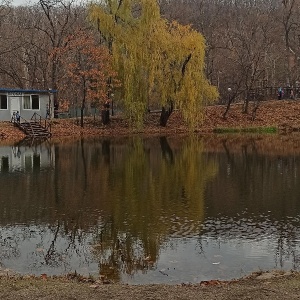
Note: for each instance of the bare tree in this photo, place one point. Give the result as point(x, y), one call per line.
point(289, 16)
point(58, 20)
point(242, 51)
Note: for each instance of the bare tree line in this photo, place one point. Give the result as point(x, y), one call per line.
point(29, 34)
point(250, 44)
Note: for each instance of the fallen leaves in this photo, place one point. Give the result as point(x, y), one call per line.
point(283, 114)
point(9, 132)
point(212, 282)
point(269, 113)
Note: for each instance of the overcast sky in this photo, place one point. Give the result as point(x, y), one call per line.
point(23, 2)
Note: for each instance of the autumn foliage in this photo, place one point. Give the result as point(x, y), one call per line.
point(88, 74)
point(158, 62)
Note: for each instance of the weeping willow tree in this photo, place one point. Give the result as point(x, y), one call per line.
point(158, 62)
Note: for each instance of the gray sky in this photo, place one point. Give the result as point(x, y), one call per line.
point(23, 2)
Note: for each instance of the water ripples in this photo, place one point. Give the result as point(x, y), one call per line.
point(250, 228)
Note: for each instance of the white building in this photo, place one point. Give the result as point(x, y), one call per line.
point(27, 102)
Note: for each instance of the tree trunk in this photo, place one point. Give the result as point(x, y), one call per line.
point(105, 113)
point(231, 97)
point(105, 116)
point(254, 110)
point(227, 107)
point(81, 116)
point(83, 104)
point(246, 104)
point(165, 114)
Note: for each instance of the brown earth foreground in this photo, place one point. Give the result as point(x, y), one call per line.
point(258, 286)
point(275, 285)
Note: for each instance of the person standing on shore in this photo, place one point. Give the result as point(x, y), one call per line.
point(280, 93)
point(18, 117)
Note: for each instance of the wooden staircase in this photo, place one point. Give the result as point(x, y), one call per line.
point(35, 128)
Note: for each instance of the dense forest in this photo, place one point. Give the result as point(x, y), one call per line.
point(147, 54)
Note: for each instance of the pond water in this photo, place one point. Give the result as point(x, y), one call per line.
point(150, 210)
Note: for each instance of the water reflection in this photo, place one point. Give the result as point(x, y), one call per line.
point(149, 210)
point(26, 156)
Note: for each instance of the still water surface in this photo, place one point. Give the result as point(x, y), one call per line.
point(156, 210)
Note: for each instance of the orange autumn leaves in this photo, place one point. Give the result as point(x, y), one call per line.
point(88, 76)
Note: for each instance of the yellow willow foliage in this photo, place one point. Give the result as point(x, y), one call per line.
point(157, 61)
point(164, 183)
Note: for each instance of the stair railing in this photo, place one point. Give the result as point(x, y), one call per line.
point(38, 118)
point(20, 122)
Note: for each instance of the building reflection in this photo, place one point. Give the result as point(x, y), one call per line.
point(27, 156)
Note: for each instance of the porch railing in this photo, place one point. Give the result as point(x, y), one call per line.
point(28, 126)
point(38, 119)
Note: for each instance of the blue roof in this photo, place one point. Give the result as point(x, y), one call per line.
point(32, 91)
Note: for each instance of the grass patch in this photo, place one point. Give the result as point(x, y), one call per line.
point(246, 130)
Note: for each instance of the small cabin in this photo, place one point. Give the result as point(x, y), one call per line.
point(26, 102)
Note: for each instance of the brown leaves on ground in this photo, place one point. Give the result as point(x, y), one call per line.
point(212, 282)
point(278, 113)
point(117, 127)
point(9, 132)
point(283, 114)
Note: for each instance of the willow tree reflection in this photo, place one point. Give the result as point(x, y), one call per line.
point(127, 196)
point(153, 196)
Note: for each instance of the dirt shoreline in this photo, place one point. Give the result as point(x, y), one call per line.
point(270, 285)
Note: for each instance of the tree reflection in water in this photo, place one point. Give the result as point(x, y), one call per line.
point(147, 203)
point(112, 206)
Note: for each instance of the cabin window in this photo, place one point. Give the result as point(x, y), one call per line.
point(35, 102)
point(31, 102)
point(3, 102)
point(26, 102)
